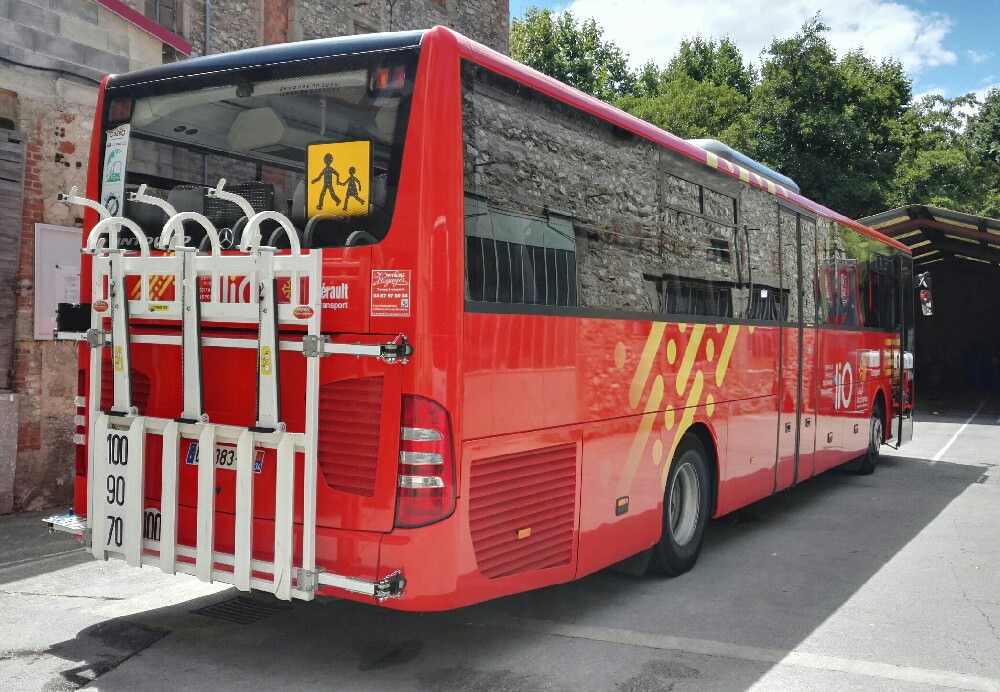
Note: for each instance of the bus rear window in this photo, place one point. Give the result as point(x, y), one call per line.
point(319, 141)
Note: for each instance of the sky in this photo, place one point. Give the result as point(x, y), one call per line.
point(945, 46)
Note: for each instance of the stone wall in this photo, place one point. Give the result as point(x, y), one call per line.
point(238, 24)
point(647, 228)
point(63, 48)
point(485, 21)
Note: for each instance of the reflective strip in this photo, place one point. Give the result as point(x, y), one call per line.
point(419, 482)
point(421, 434)
point(420, 458)
point(79, 439)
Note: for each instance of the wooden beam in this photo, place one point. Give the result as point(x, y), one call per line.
point(930, 224)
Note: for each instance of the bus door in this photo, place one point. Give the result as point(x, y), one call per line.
point(902, 380)
point(799, 347)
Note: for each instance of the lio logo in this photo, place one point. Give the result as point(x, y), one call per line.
point(844, 387)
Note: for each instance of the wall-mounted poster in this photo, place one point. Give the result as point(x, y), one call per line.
point(57, 273)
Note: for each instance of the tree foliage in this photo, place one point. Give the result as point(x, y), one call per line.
point(947, 158)
point(829, 124)
point(845, 128)
point(984, 128)
point(573, 52)
point(703, 93)
point(692, 109)
point(714, 62)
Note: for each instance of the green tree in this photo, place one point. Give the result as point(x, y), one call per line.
point(692, 109)
point(941, 164)
point(575, 53)
point(831, 125)
point(715, 62)
point(984, 128)
point(703, 92)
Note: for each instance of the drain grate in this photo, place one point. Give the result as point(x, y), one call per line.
point(242, 610)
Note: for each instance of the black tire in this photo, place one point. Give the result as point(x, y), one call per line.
point(685, 510)
point(866, 463)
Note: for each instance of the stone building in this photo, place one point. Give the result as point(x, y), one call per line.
point(53, 54)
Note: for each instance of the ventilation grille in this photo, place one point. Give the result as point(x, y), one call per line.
point(242, 610)
point(140, 388)
point(522, 509)
point(350, 413)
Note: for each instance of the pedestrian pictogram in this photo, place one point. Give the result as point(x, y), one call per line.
point(338, 177)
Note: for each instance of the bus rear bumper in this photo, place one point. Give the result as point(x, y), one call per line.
point(324, 580)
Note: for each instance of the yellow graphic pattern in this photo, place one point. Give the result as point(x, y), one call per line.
point(687, 352)
point(158, 287)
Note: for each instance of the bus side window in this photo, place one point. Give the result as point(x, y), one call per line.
point(764, 298)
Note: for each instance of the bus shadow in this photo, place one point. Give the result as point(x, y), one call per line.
point(768, 577)
point(27, 549)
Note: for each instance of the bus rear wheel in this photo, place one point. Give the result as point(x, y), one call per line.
point(685, 510)
point(866, 463)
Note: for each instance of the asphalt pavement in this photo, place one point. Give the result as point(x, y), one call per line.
point(881, 582)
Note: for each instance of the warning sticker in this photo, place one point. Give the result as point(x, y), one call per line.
point(390, 292)
point(338, 176)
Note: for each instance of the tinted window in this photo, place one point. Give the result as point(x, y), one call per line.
point(261, 129)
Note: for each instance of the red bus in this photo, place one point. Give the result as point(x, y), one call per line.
point(395, 318)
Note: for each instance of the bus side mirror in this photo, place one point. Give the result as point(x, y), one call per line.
point(923, 282)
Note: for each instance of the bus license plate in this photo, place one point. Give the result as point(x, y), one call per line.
point(225, 457)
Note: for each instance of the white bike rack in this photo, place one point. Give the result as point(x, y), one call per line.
point(117, 523)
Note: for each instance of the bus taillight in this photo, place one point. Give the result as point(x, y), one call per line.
point(426, 464)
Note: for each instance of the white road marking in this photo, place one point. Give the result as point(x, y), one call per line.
point(937, 457)
point(707, 647)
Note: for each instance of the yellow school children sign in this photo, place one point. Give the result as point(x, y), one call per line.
point(338, 178)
